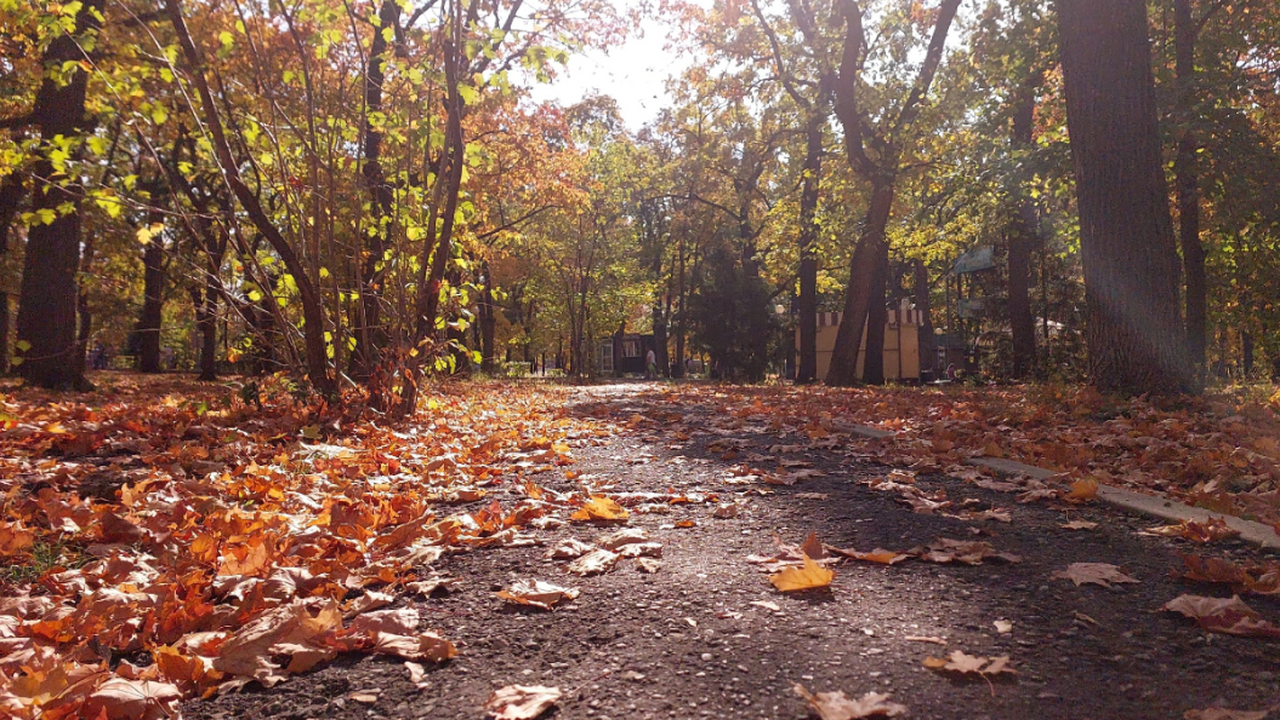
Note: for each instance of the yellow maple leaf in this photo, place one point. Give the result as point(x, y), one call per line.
point(600, 508)
point(812, 575)
point(1083, 490)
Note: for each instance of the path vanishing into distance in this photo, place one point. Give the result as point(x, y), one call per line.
point(965, 603)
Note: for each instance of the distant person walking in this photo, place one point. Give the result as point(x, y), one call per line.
point(650, 365)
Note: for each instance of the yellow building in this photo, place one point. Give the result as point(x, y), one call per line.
point(901, 343)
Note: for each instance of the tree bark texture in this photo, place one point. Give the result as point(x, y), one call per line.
point(863, 268)
point(49, 294)
point(12, 192)
point(1023, 238)
point(152, 307)
point(928, 353)
point(1187, 191)
point(807, 371)
point(1134, 331)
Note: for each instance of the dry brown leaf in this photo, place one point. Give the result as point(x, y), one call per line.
point(425, 646)
point(926, 639)
point(767, 605)
point(121, 699)
point(1078, 525)
point(569, 549)
point(835, 706)
point(599, 508)
point(626, 536)
point(878, 555)
point(417, 674)
point(1225, 714)
point(521, 702)
point(1082, 490)
point(1003, 627)
point(964, 664)
point(648, 565)
point(813, 548)
point(970, 552)
point(1231, 617)
point(1211, 530)
point(1097, 573)
point(537, 593)
point(401, 621)
point(811, 576)
point(594, 563)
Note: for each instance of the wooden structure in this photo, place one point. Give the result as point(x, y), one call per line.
point(901, 343)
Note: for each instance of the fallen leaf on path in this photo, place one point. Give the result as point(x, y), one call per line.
point(812, 547)
point(121, 699)
point(878, 555)
point(594, 563)
point(767, 605)
point(521, 702)
point(417, 674)
point(537, 593)
point(648, 565)
point(1231, 617)
point(811, 576)
point(1097, 573)
point(1211, 530)
point(1079, 525)
point(1256, 578)
point(685, 524)
point(926, 639)
point(425, 646)
point(1003, 626)
point(1082, 490)
point(835, 706)
point(600, 509)
point(972, 552)
point(1225, 714)
point(725, 511)
point(960, 662)
point(626, 536)
point(569, 549)
point(431, 585)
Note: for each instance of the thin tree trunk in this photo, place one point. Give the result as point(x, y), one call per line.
point(807, 371)
point(1246, 354)
point(1022, 239)
point(49, 294)
point(873, 362)
point(1187, 191)
point(928, 356)
point(1134, 331)
point(313, 313)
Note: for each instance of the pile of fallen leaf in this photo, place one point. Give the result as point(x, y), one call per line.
point(1218, 453)
point(162, 540)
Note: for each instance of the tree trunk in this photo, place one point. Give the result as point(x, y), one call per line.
point(928, 355)
point(370, 336)
point(49, 295)
point(1023, 238)
point(1187, 190)
point(1246, 354)
point(313, 312)
point(152, 305)
point(11, 195)
point(860, 295)
point(488, 322)
point(873, 361)
point(1134, 333)
point(807, 371)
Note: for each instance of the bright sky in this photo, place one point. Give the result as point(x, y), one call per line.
point(633, 73)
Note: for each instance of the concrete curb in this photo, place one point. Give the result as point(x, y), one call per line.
point(1157, 507)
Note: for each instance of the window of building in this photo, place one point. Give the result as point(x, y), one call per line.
point(631, 348)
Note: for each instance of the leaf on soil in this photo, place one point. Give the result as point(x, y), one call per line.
point(1256, 578)
point(971, 552)
point(1212, 530)
point(594, 563)
point(1083, 490)
point(417, 674)
point(1078, 525)
point(521, 702)
point(878, 555)
point(1097, 573)
point(812, 547)
point(962, 663)
point(648, 565)
point(926, 639)
point(1225, 714)
point(1003, 627)
point(626, 536)
point(811, 576)
point(835, 706)
point(569, 549)
point(121, 699)
point(425, 646)
point(767, 605)
point(600, 508)
point(725, 511)
point(433, 584)
point(1231, 617)
point(636, 550)
point(537, 593)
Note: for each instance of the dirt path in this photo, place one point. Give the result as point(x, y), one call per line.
point(688, 642)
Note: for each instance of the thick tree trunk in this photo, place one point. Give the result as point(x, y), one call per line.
point(873, 359)
point(11, 195)
point(152, 307)
point(49, 295)
point(1134, 333)
point(1187, 190)
point(860, 294)
point(807, 371)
